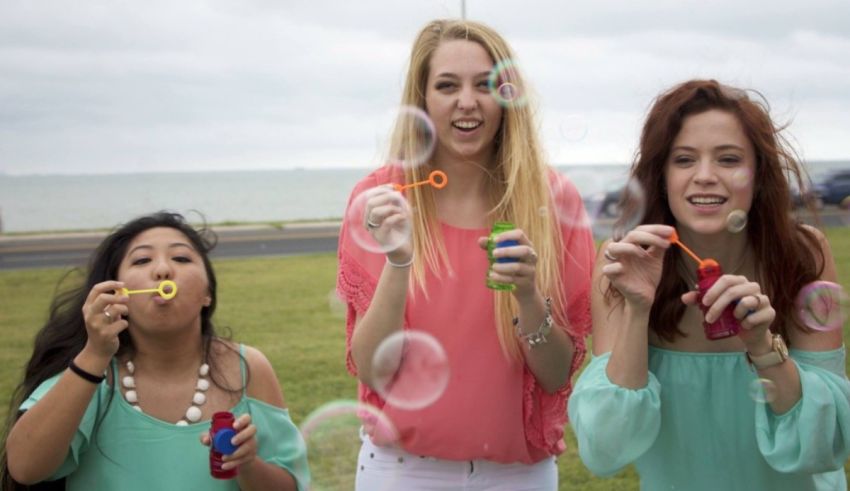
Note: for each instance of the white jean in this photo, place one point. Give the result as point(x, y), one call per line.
point(391, 469)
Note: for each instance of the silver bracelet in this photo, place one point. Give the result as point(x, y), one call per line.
point(539, 336)
point(400, 265)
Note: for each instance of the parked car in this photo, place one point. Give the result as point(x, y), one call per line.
point(834, 187)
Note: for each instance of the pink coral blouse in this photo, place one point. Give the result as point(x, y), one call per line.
point(492, 408)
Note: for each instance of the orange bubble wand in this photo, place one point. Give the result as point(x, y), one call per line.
point(674, 239)
point(167, 289)
point(436, 178)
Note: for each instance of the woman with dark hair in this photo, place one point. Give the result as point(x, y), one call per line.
point(691, 411)
point(118, 388)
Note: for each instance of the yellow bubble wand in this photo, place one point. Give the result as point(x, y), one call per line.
point(167, 289)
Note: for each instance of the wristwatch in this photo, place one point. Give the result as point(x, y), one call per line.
point(778, 354)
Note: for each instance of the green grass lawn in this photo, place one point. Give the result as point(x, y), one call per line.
point(282, 306)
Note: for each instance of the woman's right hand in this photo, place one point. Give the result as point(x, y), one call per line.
point(388, 219)
point(104, 312)
point(635, 263)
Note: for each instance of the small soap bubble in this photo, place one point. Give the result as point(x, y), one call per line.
point(410, 369)
point(389, 217)
point(763, 390)
point(736, 221)
point(332, 436)
point(823, 306)
point(631, 208)
point(506, 85)
point(337, 305)
point(573, 128)
point(742, 178)
point(410, 136)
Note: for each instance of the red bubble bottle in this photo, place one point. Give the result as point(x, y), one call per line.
point(727, 324)
point(221, 432)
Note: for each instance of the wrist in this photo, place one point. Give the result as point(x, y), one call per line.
point(91, 360)
point(400, 258)
point(761, 344)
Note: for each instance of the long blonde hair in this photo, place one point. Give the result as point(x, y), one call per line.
point(518, 182)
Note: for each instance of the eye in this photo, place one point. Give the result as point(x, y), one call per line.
point(730, 160)
point(140, 260)
point(444, 85)
point(182, 259)
point(683, 160)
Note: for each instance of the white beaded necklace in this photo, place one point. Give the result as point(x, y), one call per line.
point(193, 414)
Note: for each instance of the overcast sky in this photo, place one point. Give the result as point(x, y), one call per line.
point(127, 86)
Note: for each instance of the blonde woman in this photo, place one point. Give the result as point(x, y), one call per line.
point(499, 423)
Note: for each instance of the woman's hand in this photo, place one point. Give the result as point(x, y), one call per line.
point(387, 218)
point(521, 272)
point(245, 441)
point(635, 263)
point(752, 308)
point(103, 313)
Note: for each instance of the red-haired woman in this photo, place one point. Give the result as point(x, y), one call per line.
point(662, 395)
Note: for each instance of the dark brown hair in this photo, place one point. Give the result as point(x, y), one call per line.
point(787, 255)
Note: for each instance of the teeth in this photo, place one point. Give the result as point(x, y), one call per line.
point(699, 200)
point(466, 125)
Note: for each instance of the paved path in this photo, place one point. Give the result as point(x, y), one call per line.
point(74, 249)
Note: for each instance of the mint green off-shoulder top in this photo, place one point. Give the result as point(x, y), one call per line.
point(119, 448)
point(696, 425)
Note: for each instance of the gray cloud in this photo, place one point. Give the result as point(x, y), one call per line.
point(191, 85)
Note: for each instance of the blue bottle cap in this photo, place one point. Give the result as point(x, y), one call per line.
point(221, 441)
point(507, 243)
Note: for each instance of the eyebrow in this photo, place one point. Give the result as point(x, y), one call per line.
point(171, 245)
point(454, 75)
point(719, 147)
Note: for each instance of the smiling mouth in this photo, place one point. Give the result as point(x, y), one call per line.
point(706, 200)
point(467, 125)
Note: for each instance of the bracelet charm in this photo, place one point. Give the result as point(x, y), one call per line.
point(537, 337)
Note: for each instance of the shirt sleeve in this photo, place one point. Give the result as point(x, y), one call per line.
point(279, 442)
point(81, 439)
point(546, 414)
point(356, 279)
point(597, 403)
point(814, 435)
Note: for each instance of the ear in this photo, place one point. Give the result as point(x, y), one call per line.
point(207, 300)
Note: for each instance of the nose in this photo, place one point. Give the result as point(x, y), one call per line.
point(466, 99)
point(162, 269)
point(704, 173)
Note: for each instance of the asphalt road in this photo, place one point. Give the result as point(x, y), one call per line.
point(69, 250)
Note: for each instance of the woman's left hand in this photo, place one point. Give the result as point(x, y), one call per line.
point(752, 308)
point(521, 272)
point(245, 441)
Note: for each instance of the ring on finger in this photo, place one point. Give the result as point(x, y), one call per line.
point(609, 256)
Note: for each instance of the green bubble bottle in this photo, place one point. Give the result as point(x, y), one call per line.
point(498, 228)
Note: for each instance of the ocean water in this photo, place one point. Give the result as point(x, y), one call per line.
point(32, 203)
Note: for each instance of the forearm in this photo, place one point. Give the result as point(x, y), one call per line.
point(41, 438)
point(785, 389)
point(384, 317)
point(261, 475)
point(629, 363)
point(550, 362)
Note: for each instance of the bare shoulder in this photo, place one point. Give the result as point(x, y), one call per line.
point(262, 384)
